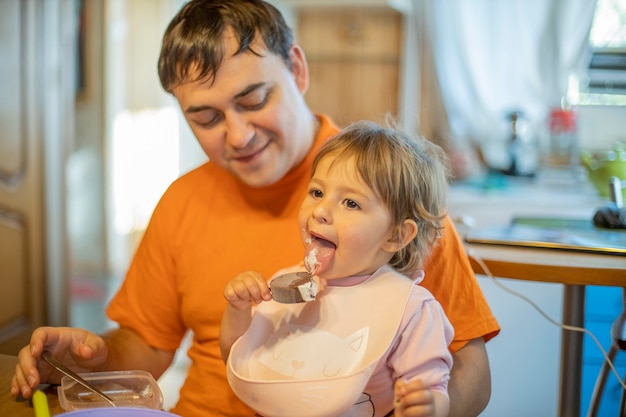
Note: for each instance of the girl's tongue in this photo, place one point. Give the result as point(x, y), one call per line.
point(319, 253)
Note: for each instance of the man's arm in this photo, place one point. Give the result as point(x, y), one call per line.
point(127, 350)
point(470, 380)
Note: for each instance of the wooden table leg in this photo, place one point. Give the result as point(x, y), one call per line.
point(572, 351)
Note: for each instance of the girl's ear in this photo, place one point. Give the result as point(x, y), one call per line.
point(404, 233)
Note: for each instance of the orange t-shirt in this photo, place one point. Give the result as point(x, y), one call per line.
point(207, 228)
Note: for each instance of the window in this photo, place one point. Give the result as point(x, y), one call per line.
point(609, 24)
point(605, 80)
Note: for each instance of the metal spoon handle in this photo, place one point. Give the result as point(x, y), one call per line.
point(48, 357)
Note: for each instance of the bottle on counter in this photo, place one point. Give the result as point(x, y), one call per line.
point(563, 151)
point(522, 149)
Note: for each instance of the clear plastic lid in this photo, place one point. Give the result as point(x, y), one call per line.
point(125, 388)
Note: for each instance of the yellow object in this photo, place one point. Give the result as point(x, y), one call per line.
point(40, 404)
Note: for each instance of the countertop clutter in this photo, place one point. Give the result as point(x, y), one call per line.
point(549, 361)
point(10, 406)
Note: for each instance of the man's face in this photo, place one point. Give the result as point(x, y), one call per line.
point(252, 119)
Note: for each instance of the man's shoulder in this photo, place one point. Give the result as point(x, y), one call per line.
point(327, 128)
point(201, 175)
point(194, 183)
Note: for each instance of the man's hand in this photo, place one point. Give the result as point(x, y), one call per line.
point(84, 351)
point(78, 349)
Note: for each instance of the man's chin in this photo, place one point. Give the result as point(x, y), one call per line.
point(259, 180)
point(262, 172)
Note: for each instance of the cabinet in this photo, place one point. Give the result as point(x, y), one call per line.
point(353, 56)
point(29, 142)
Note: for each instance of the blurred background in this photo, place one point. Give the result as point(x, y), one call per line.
point(90, 141)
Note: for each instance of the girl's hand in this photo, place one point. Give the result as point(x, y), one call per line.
point(247, 288)
point(413, 399)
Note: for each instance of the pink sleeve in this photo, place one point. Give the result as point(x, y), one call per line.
point(421, 350)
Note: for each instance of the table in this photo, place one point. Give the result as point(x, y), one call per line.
point(544, 196)
point(9, 406)
point(573, 269)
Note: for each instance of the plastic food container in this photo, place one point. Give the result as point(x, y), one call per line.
point(125, 388)
point(118, 412)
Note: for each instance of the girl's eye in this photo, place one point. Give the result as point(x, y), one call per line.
point(351, 204)
point(316, 193)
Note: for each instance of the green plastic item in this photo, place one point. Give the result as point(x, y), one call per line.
point(602, 165)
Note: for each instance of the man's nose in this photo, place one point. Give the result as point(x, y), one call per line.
point(239, 131)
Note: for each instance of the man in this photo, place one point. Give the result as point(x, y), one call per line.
point(240, 82)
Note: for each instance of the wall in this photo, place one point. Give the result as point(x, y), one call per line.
point(354, 61)
point(600, 126)
point(141, 122)
point(85, 164)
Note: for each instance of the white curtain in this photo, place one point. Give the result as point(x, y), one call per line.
point(490, 57)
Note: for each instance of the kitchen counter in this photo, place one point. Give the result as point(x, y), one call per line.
point(526, 336)
point(498, 199)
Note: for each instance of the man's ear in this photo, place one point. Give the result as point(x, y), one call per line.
point(299, 68)
point(404, 233)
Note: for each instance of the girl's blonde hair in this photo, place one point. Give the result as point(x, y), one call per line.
point(409, 173)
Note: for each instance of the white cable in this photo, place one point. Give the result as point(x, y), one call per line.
point(471, 254)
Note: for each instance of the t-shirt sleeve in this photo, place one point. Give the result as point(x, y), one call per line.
point(450, 278)
point(147, 301)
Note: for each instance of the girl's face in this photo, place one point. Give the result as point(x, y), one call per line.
point(340, 208)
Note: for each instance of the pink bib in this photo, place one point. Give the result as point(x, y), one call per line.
point(314, 359)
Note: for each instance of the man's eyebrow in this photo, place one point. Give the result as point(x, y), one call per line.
point(243, 93)
point(196, 109)
point(249, 89)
